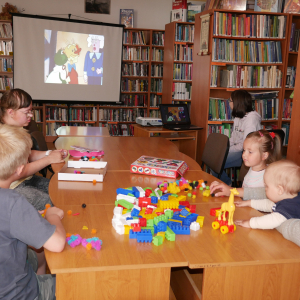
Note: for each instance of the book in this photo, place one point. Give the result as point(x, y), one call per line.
point(193, 10)
point(292, 6)
point(179, 15)
point(126, 17)
point(267, 5)
point(179, 4)
point(234, 4)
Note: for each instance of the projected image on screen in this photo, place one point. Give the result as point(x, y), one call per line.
point(176, 114)
point(73, 58)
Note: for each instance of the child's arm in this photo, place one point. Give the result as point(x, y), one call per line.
point(269, 221)
point(36, 155)
point(264, 205)
point(290, 230)
point(56, 242)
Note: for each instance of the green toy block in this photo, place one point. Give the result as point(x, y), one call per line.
point(135, 218)
point(201, 189)
point(129, 188)
point(174, 195)
point(150, 222)
point(124, 203)
point(131, 195)
point(148, 188)
point(189, 195)
point(207, 187)
point(159, 192)
point(160, 218)
point(170, 235)
point(169, 213)
point(149, 228)
point(157, 240)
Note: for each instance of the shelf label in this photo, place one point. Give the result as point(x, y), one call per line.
point(11, 53)
point(1, 53)
point(7, 88)
point(8, 69)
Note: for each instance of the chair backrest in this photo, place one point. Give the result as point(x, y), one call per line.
point(215, 152)
point(32, 126)
point(39, 142)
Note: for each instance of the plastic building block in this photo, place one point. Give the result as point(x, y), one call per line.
point(85, 228)
point(151, 228)
point(213, 211)
point(76, 214)
point(135, 212)
point(136, 227)
point(124, 203)
point(189, 194)
point(145, 236)
point(185, 212)
point(123, 191)
point(160, 218)
point(69, 212)
point(143, 222)
point(169, 213)
point(195, 226)
point(83, 205)
point(148, 211)
point(144, 201)
point(200, 220)
point(170, 235)
point(206, 193)
point(193, 208)
point(150, 222)
point(126, 229)
point(93, 231)
point(154, 199)
point(184, 204)
point(162, 234)
point(177, 229)
point(126, 197)
point(168, 204)
point(157, 240)
point(165, 197)
point(161, 226)
point(132, 234)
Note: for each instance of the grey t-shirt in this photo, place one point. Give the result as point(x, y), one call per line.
point(20, 225)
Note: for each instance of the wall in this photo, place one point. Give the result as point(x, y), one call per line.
point(152, 14)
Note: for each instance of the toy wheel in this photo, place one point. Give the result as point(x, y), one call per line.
point(215, 225)
point(224, 229)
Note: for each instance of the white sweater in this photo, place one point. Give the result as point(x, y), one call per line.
point(241, 128)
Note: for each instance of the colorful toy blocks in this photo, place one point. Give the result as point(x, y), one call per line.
point(90, 243)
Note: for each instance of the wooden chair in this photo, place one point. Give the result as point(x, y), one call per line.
point(215, 152)
point(39, 143)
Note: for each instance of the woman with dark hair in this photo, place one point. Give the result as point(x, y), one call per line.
point(246, 120)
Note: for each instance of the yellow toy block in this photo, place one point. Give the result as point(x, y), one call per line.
point(173, 188)
point(161, 234)
point(181, 198)
point(168, 204)
point(200, 220)
point(126, 229)
point(124, 211)
point(178, 221)
point(206, 193)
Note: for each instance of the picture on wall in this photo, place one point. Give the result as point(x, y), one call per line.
point(97, 6)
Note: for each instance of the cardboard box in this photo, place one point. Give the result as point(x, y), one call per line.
point(161, 167)
point(94, 170)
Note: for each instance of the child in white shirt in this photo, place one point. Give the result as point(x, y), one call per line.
point(282, 184)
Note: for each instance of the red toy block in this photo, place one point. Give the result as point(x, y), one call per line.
point(148, 192)
point(185, 203)
point(121, 206)
point(213, 211)
point(193, 208)
point(148, 211)
point(159, 213)
point(136, 227)
point(176, 209)
point(143, 222)
point(144, 201)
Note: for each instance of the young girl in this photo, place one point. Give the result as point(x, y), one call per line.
point(246, 120)
point(260, 149)
point(16, 110)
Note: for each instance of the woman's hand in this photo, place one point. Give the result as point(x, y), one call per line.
point(224, 188)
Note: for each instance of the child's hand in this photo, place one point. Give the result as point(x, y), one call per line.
point(64, 153)
point(243, 223)
point(40, 212)
point(54, 211)
point(225, 189)
point(56, 156)
point(243, 203)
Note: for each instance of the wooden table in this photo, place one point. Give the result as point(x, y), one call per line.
point(185, 140)
point(65, 131)
point(121, 152)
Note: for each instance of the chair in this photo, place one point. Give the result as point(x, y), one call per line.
point(31, 127)
point(215, 152)
point(39, 143)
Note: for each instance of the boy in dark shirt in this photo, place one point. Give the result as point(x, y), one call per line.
point(22, 225)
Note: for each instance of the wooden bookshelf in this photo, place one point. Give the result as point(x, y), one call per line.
point(202, 66)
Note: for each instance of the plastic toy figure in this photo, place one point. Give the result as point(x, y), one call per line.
point(226, 226)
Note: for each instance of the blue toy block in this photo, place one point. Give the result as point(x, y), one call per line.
point(135, 191)
point(135, 212)
point(192, 217)
point(155, 229)
point(177, 218)
point(161, 226)
point(181, 206)
point(184, 212)
point(165, 197)
point(145, 236)
point(132, 234)
point(176, 213)
point(128, 218)
point(154, 200)
point(170, 223)
point(123, 191)
point(186, 222)
point(177, 229)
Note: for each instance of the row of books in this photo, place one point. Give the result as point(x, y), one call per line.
point(287, 109)
point(157, 70)
point(121, 129)
point(136, 53)
point(5, 30)
point(155, 114)
point(6, 47)
point(157, 54)
point(290, 77)
point(155, 100)
point(135, 69)
point(51, 128)
point(138, 85)
point(184, 33)
point(134, 38)
point(56, 114)
point(235, 76)
point(286, 128)
point(181, 91)
point(219, 109)
point(225, 50)
point(156, 85)
point(245, 25)
point(182, 71)
point(37, 115)
point(183, 52)
point(134, 100)
point(6, 83)
point(220, 128)
point(294, 39)
point(121, 114)
point(267, 108)
point(6, 64)
point(83, 114)
point(158, 38)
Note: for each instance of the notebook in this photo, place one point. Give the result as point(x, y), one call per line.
point(176, 117)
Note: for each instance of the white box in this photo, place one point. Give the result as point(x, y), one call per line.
point(94, 170)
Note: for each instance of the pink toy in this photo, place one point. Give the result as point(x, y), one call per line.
point(76, 153)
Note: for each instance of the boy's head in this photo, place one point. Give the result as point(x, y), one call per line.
point(282, 179)
point(15, 145)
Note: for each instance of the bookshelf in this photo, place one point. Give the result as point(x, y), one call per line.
point(259, 54)
point(178, 62)
point(6, 56)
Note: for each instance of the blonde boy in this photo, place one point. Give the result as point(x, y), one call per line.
point(22, 225)
point(282, 184)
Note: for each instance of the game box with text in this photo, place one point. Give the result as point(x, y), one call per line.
point(161, 167)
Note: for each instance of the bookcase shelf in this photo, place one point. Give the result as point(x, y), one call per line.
point(203, 68)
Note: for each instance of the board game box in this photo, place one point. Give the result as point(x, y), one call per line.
point(161, 167)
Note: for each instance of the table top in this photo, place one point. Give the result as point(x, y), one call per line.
point(118, 252)
point(121, 152)
point(161, 129)
point(77, 193)
point(82, 131)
